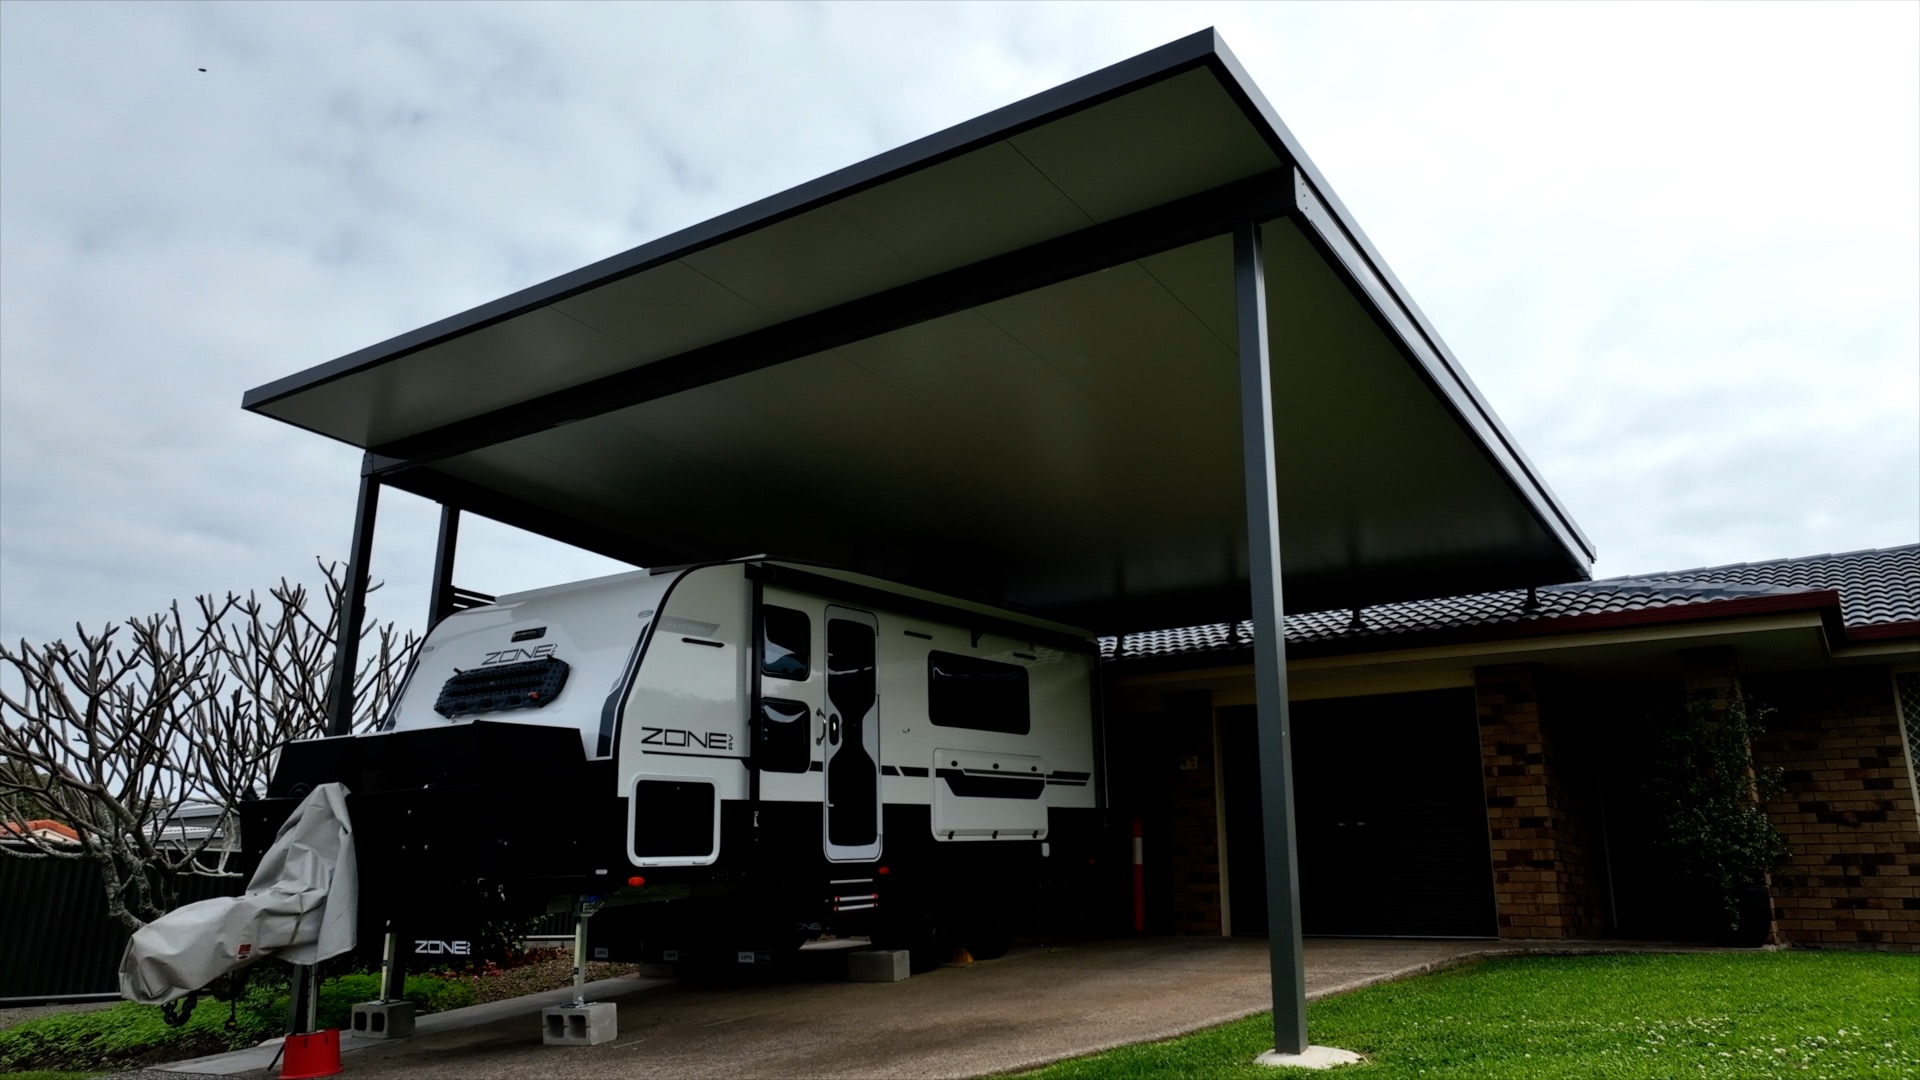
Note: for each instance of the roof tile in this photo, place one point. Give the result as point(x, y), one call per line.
point(1876, 587)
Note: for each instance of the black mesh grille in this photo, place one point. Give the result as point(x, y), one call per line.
point(1909, 689)
point(529, 685)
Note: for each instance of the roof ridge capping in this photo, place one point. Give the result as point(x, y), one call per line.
point(1901, 549)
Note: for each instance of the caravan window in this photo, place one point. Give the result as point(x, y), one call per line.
point(786, 638)
point(985, 695)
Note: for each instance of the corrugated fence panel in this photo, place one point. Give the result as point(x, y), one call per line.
point(55, 938)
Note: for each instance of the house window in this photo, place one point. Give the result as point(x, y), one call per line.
point(985, 695)
point(786, 638)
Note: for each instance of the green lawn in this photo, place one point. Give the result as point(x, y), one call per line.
point(1787, 1014)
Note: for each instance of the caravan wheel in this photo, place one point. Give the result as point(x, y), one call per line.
point(919, 932)
point(990, 935)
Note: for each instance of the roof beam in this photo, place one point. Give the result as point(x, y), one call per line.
point(449, 490)
point(1211, 213)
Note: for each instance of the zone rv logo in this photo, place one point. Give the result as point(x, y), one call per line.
point(708, 740)
point(442, 948)
point(515, 656)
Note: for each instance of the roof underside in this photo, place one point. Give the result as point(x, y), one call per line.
point(999, 362)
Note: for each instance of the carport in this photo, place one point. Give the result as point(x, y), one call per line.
point(1101, 355)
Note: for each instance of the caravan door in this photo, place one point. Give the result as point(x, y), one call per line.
point(851, 752)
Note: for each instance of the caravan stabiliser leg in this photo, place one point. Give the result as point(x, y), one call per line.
point(581, 914)
point(391, 1016)
point(582, 1023)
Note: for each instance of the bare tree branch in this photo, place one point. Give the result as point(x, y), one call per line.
point(115, 736)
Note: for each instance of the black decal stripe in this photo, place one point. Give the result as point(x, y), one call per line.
point(1064, 776)
point(889, 770)
point(912, 770)
point(1067, 783)
point(974, 785)
point(814, 766)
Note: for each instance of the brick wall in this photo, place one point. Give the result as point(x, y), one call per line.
point(1848, 811)
point(1194, 855)
point(1545, 881)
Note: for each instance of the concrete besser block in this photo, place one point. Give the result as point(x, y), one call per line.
point(383, 1019)
point(579, 1025)
point(878, 965)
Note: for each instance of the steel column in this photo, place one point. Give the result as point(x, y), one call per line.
point(441, 604)
point(353, 609)
point(1269, 644)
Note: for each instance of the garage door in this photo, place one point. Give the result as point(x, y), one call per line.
point(1389, 811)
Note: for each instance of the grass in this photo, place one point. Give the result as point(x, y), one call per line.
point(1787, 1014)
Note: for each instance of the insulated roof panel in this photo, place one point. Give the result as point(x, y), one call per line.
point(1179, 137)
point(1000, 362)
point(990, 201)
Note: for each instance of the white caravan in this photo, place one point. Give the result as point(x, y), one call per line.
point(731, 758)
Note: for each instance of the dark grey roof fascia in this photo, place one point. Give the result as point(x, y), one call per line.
point(1480, 417)
point(1341, 240)
point(1154, 65)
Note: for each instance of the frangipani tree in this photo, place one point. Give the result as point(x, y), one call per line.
point(115, 735)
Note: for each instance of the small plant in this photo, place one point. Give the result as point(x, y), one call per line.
point(1708, 796)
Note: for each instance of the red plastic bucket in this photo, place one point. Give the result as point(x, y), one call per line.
point(311, 1053)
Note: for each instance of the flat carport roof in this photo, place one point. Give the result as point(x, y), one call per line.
point(999, 362)
point(1101, 355)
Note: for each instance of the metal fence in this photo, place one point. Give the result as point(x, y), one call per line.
point(56, 942)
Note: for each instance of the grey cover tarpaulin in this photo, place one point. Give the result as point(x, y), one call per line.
point(299, 906)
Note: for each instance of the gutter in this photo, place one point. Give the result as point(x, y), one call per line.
point(1823, 602)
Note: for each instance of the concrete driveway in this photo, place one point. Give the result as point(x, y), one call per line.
point(1034, 1006)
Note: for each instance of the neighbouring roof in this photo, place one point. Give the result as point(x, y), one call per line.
point(1878, 595)
point(40, 829)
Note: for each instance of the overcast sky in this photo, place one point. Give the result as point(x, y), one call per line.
point(1677, 247)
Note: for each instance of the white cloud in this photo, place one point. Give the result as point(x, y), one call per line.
point(1678, 246)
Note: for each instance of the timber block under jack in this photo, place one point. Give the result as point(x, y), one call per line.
point(589, 1024)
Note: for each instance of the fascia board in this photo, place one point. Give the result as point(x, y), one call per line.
point(1131, 74)
point(1451, 377)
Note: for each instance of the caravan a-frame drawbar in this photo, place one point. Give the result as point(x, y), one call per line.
point(732, 758)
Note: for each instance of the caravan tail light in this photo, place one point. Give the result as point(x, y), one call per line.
point(882, 870)
point(636, 881)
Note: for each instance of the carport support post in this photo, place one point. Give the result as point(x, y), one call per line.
point(1269, 645)
point(441, 604)
point(353, 609)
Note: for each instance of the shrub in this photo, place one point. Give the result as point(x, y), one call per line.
point(1708, 794)
point(129, 1034)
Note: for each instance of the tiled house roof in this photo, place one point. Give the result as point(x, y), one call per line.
point(1878, 589)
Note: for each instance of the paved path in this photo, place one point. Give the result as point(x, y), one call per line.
point(1033, 1006)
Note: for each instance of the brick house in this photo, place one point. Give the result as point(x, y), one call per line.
point(1469, 766)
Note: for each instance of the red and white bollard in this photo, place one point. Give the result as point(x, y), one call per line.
point(1139, 879)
